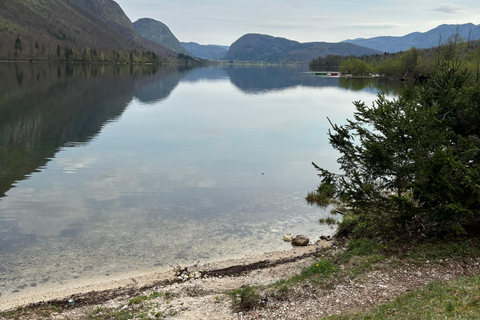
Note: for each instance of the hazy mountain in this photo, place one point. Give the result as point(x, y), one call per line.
point(158, 32)
point(420, 40)
point(42, 25)
point(209, 51)
point(258, 47)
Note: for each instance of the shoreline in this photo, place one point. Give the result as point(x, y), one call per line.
point(96, 292)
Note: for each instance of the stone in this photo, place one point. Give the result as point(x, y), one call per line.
point(326, 238)
point(300, 240)
point(288, 237)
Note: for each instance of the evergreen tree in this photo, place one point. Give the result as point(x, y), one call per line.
point(411, 165)
point(18, 47)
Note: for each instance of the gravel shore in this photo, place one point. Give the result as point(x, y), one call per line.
point(166, 296)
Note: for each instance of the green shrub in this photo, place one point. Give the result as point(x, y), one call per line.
point(245, 298)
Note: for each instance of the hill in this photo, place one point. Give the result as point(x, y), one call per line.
point(55, 29)
point(159, 33)
point(420, 40)
point(265, 48)
point(209, 51)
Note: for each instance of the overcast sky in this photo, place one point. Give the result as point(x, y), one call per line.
point(224, 21)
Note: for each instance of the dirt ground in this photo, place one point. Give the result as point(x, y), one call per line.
point(206, 297)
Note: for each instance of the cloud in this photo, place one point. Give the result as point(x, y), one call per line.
point(71, 165)
point(450, 8)
point(379, 25)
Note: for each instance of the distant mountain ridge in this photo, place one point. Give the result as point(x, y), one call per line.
point(265, 48)
point(158, 32)
point(209, 51)
point(419, 40)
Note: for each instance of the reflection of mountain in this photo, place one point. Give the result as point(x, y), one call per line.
point(257, 80)
point(159, 87)
point(268, 78)
point(206, 73)
point(44, 108)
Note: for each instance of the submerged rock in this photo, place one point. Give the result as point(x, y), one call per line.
point(288, 237)
point(300, 240)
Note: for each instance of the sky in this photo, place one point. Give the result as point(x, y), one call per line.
point(222, 22)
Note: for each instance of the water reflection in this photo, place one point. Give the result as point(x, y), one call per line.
point(121, 160)
point(389, 87)
point(256, 80)
point(50, 107)
point(161, 84)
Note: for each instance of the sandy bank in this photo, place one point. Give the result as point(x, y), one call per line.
point(94, 291)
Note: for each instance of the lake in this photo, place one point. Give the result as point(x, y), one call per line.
point(109, 170)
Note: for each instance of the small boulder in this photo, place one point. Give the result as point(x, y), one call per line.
point(288, 237)
point(300, 240)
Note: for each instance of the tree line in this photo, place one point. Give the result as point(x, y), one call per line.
point(412, 63)
point(23, 51)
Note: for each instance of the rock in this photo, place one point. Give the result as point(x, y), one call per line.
point(288, 237)
point(326, 238)
point(300, 240)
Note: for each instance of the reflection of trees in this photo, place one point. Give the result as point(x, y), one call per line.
point(375, 84)
point(269, 78)
point(54, 106)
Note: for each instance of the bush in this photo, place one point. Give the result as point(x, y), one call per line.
point(245, 298)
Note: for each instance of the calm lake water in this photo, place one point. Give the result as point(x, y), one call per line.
point(106, 170)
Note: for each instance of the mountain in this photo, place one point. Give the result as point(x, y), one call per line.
point(209, 51)
point(159, 33)
point(265, 48)
point(35, 29)
point(420, 40)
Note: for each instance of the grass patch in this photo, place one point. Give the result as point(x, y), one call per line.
point(109, 314)
point(328, 221)
point(318, 198)
point(461, 249)
point(244, 298)
point(45, 311)
point(458, 299)
point(137, 300)
point(321, 269)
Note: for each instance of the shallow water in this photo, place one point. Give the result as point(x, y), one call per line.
point(106, 170)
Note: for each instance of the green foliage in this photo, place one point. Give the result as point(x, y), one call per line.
point(137, 300)
point(324, 193)
point(355, 67)
point(43, 311)
point(437, 251)
point(245, 298)
point(411, 165)
point(322, 268)
point(18, 48)
point(458, 299)
point(410, 64)
point(328, 221)
point(363, 247)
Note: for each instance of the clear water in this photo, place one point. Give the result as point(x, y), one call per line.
point(106, 170)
